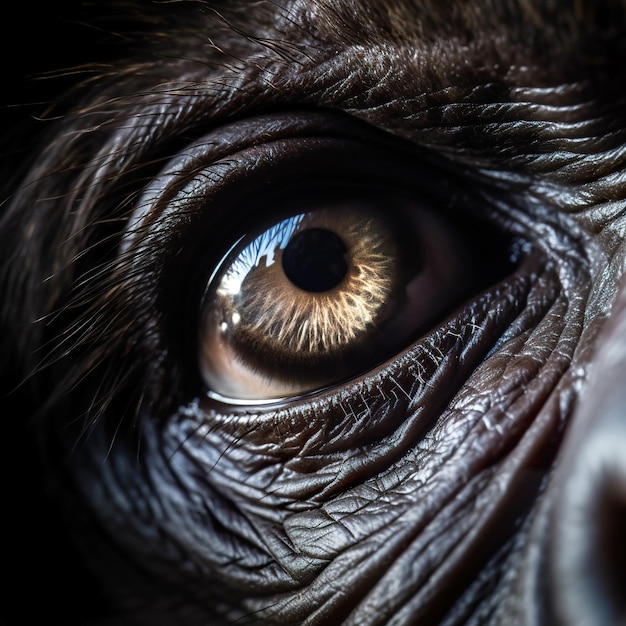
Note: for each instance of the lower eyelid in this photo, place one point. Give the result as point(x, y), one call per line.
point(385, 412)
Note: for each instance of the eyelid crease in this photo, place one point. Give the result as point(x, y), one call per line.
point(221, 147)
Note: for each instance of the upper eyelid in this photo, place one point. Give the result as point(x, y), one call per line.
point(147, 126)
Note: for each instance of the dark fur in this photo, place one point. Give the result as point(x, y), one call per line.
point(524, 99)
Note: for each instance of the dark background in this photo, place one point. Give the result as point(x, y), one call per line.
point(43, 581)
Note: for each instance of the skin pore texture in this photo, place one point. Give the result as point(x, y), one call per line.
point(468, 467)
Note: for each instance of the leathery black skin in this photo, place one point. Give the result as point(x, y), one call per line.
point(477, 477)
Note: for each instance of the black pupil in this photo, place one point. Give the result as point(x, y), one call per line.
point(315, 259)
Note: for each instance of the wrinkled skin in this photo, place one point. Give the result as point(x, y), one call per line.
point(476, 477)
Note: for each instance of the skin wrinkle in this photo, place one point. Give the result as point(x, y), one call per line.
point(424, 608)
point(421, 562)
point(242, 508)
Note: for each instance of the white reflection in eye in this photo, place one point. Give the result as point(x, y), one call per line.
point(262, 248)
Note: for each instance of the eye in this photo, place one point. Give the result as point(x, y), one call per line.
point(298, 253)
point(327, 293)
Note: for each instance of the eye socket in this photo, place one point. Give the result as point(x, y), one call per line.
point(324, 294)
point(427, 233)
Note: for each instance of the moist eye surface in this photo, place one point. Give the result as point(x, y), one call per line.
point(324, 295)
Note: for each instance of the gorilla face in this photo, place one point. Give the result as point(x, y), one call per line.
point(311, 312)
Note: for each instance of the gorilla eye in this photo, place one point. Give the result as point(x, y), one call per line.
point(327, 293)
point(287, 254)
